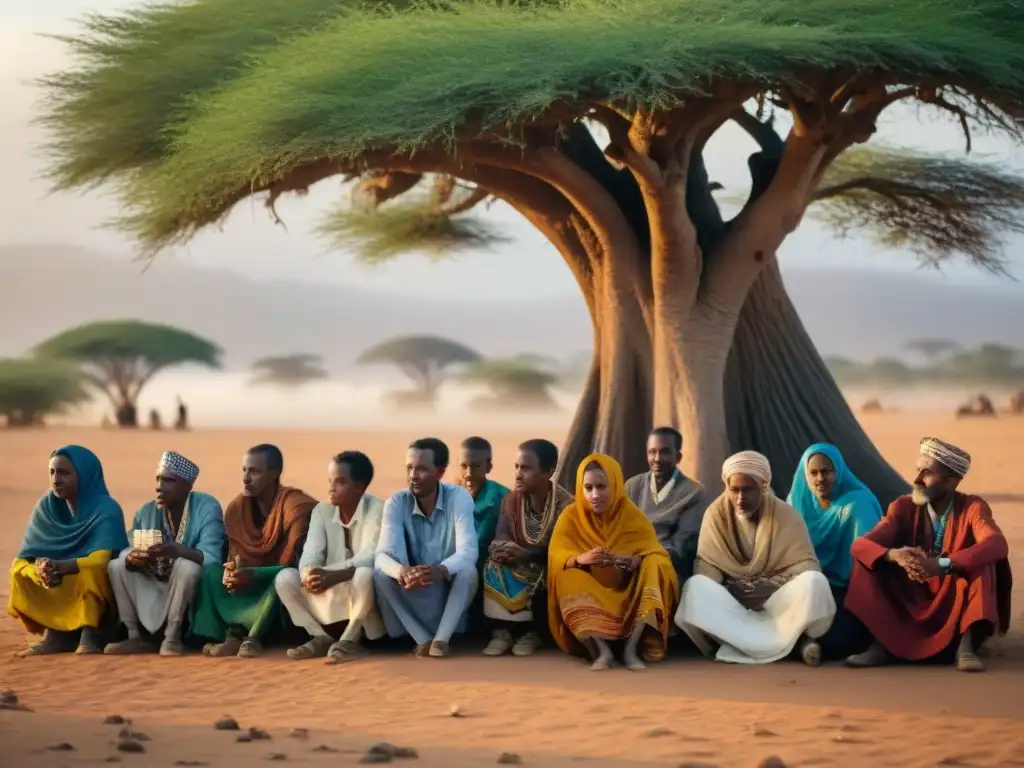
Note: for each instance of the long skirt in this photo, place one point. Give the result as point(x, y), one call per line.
point(257, 611)
point(710, 615)
point(79, 601)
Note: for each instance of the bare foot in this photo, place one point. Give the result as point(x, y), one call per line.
point(875, 656)
point(602, 663)
point(130, 647)
point(422, 651)
point(250, 648)
point(345, 650)
point(439, 649)
point(229, 647)
point(315, 648)
point(172, 647)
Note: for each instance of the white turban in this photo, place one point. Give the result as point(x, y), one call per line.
point(750, 463)
point(952, 458)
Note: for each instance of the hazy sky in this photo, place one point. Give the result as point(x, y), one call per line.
point(251, 244)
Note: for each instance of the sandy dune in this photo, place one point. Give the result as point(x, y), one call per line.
point(550, 709)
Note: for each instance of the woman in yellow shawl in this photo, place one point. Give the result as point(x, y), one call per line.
point(608, 577)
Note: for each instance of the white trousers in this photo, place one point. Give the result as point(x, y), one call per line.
point(352, 601)
point(141, 599)
point(708, 613)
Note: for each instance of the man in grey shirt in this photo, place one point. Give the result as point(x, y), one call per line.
point(425, 567)
point(674, 503)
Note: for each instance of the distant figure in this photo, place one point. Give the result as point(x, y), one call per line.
point(127, 415)
point(182, 423)
point(980, 405)
point(872, 406)
point(1017, 402)
point(154, 420)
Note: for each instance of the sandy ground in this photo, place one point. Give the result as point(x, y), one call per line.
point(549, 709)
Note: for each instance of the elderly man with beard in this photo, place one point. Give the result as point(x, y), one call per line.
point(932, 579)
point(426, 573)
point(155, 586)
point(673, 503)
point(758, 591)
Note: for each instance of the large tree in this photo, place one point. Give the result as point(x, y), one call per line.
point(192, 108)
point(119, 357)
point(287, 371)
point(31, 389)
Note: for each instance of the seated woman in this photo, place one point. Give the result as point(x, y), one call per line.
point(514, 571)
point(59, 581)
point(608, 576)
point(838, 509)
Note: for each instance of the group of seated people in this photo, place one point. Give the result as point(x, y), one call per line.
point(611, 572)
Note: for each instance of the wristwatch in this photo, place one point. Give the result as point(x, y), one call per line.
point(944, 565)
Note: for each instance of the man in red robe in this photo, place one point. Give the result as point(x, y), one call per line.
point(932, 578)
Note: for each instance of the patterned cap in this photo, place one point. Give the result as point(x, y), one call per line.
point(956, 460)
point(177, 465)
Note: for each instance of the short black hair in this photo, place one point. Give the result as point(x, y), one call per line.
point(360, 468)
point(275, 460)
point(478, 444)
point(669, 432)
point(435, 445)
point(545, 451)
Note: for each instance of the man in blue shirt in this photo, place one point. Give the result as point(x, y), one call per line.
point(425, 567)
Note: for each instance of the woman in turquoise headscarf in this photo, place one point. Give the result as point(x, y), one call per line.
point(837, 508)
point(59, 583)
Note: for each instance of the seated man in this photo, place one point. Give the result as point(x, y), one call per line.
point(426, 573)
point(476, 462)
point(673, 503)
point(266, 525)
point(757, 589)
point(334, 580)
point(932, 579)
point(155, 586)
point(517, 563)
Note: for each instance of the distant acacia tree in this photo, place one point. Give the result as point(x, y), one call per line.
point(933, 350)
point(119, 357)
point(288, 371)
point(425, 359)
point(514, 383)
point(31, 389)
point(986, 365)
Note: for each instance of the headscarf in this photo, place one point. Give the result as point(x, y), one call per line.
point(853, 511)
point(175, 464)
point(749, 463)
point(97, 523)
point(623, 528)
point(956, 460)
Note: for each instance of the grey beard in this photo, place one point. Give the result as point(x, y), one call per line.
point(919, 497)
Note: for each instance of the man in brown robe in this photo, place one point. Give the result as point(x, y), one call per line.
point(236, 603)
point(673, 503)
point(933, 576)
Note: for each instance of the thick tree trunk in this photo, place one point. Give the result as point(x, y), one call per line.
point(780, 397)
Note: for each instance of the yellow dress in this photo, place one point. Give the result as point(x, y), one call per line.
point(80, 601)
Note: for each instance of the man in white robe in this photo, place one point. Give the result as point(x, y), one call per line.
point(173, 537)
point(334, 580)
point(757, 589)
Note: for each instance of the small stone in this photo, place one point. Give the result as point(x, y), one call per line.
point(244, 738)
point(8, 698)
point(277, 756)
point(510, 758)
point(456, 711)
point(657, 733)
point(114, 720)
point(375, 757)
point(772, 762)
point(130, 746)
point(139, 736)
point(760, 732)
point(61, 747)
point(299, 733)
point(326, 748)
point(258, 734)
point(192, 763)
point(113, 759)
point(390, 752)
point(226, 724)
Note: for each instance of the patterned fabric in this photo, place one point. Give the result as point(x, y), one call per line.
point(749, 463)
point(177, 465)
point(954, 459)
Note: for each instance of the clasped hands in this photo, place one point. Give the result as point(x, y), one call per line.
point(913, 560)
point(419, 576)
point(52, 572)
point(141, 559)
point(317, 580)
point(753, 593)
point(508, 553)
point(599, 557)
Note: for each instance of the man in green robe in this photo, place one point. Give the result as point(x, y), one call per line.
point(475, 464)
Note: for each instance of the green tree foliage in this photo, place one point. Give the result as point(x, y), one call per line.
point(287, 371)
point(31, 389)
point(119, 357)
point(426, 360)
point(987, 365)
point(517, 382)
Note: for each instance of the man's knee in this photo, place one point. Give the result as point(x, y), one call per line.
point(466, 582)
point(287, 580)
point(186, 570)
point(117, 567)
point(362, 579)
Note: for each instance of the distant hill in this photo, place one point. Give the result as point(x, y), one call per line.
point(45, 288)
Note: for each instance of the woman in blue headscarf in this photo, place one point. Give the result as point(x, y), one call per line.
point(59, 581)
point(837, 508)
